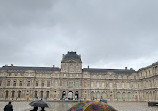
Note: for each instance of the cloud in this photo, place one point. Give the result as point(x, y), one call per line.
point(107, 34)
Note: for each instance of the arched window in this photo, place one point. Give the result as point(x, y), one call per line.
point(92, 95)
point(98, 95)
point(13, 94)
point(103, 95)
point(123, 95)
point(129, 95)
point(47, 94)
point(19, 94)
point(35, 94)
point(6, 94)
point(41, 94)
point(118, 95)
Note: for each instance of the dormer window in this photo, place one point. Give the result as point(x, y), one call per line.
point(29, 74)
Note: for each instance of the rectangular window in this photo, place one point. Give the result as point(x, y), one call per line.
point(102, 84)
point(14, 83)
point(70, 84)
point(117, 85)
point(48, 83)
point(20, 83)
point(28, 83)
point(110, 85)
point(135, 85)
point(42, 84)
point(123, 85)
point(35, 94)
point(97, 84)
point(8, 83)
point(85, 84)
point(77, 84)
point(56, 84)
point(64, 84)
point(29, 74)
point(36, 83)
point(128, 85)
point(92, 84)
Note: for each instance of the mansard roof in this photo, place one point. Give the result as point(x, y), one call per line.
point(117, 71)
point(23, 68)
point(71, 56)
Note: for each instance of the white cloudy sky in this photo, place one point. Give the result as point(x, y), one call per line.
point(107, 33)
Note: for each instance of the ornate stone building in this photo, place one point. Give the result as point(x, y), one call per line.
point(71, 81)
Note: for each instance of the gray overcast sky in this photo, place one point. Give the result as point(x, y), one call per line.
point(107, 33)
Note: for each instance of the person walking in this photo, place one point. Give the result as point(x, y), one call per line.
point(34, 109)
point(42, 108)
point(8, 107)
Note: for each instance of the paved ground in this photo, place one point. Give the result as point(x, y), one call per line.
point(63, 106)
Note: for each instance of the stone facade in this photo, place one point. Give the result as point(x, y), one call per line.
point(72, 82)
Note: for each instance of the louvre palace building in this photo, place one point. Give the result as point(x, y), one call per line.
point(72, 82)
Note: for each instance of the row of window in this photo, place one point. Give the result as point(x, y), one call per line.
point(71, 68)
point(28, 83)
point(19, 94)
point(103, 95)
point(70, 84)
point(111, 85)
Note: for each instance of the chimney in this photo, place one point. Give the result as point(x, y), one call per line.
point(12, 65)
point(125, 68)
point(88, 66)
point(131, 68)
point(53, 66)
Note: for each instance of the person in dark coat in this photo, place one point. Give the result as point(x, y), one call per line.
point(8, 107)
point(42, 109)
point(34, 109)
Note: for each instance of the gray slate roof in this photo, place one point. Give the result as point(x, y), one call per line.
point(117, 71)
point(22, 68)
point(71, 55)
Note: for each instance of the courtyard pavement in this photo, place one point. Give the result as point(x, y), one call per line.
point(64, 106)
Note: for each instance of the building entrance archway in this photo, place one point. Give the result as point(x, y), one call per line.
point(76, 95)
point(70, 95)
point(63, 95)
